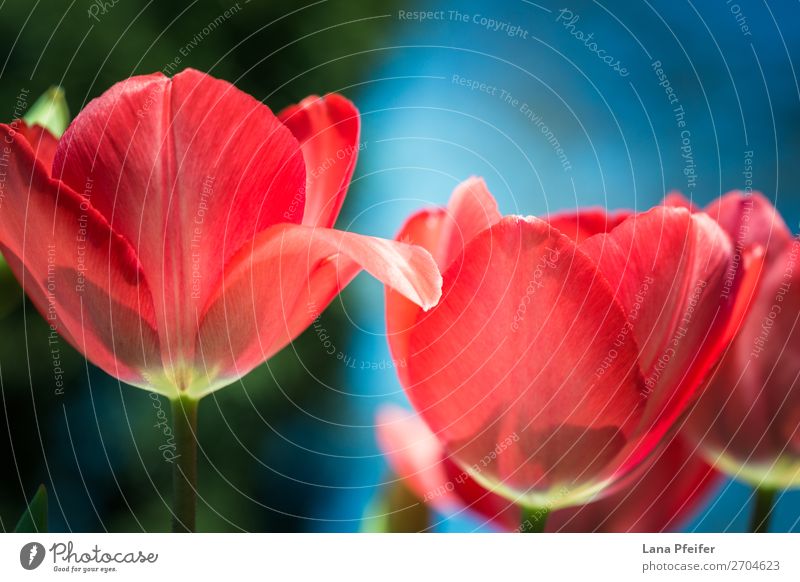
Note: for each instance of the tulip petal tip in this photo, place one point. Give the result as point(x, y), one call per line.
point(429, 297)
point(434, 301)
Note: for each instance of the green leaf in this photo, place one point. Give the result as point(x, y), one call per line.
point(50, 111)
point(34, 520)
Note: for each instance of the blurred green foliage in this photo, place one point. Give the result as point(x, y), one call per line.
point(282, 51)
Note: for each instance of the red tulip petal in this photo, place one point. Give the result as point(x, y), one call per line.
point(273, 291)
point(327, 129)
point(583, 223)
point(678, 200)
point(43, 142)
point(424, 229)
point(512, 351)
point(661, 497)
point(83, 278)
point(187, 169)
point(670, 270)
point(751, 220)
point(443, 232)
point(750, 411)
point(775, 372)
point(471, 209)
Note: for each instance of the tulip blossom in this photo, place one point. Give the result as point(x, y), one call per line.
point(561, 352)
point(748, 418)
point(661, 497)
point(179, 233)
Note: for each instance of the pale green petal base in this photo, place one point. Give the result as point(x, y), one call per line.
point(183, 381)
point(556, 497)
point(783, 473)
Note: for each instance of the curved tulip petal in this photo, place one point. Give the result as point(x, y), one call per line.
point(43, 142)
point(272, 291)
point(424, 229)
point(781, 365)
point(751, 219)
point(664, 493)
point(512, 351)
point(753, 225)
point(444, 233)
point(188, 170)
point(748, 417)
point(82, 277)
point(471, 209)
point(670, 271)
point(663, 496)
point(327, 129)
point(678, 200)
point(585, 222)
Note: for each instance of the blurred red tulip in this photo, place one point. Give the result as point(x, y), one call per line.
point(180, 233)
point(554, 365)
point(662, 496)
point(748, 417)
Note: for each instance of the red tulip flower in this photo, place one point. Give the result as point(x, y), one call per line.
point(748, 418)
point(179, 234)
point(662, 496)
point(555, 363)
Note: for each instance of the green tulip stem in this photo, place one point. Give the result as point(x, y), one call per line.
point(184, 465)
point(762, 512)
point(533, 519)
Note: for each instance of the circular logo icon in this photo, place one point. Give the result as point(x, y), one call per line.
point(31, 555)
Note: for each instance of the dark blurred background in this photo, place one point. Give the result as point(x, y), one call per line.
point(291, 447)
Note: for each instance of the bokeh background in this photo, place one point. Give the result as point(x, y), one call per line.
point(291, 447)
